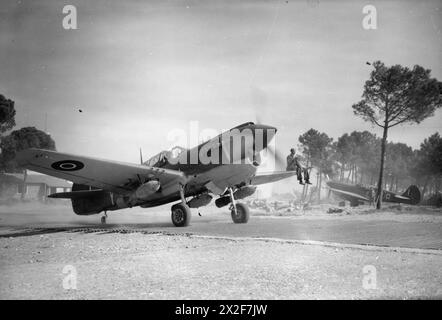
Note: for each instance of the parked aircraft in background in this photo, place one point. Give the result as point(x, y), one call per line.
point(358, 194)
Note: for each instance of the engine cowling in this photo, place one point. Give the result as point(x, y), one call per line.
point(147, 189)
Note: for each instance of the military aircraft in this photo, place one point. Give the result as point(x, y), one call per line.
point(215, 167)
point(358, 194)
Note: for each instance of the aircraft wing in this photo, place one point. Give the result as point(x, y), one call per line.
point(401, 197)
point(267, 177)
point(109, 175)
point(351, 194)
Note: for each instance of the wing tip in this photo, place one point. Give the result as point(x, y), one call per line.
point(23, 156)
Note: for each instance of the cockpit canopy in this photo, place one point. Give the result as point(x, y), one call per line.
point(162, 158)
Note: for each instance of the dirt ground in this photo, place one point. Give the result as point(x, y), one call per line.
point(49, 253)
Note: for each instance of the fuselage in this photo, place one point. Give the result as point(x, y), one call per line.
point(227, 160)
point(358, 194)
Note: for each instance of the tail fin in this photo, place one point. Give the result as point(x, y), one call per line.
point(413, 193)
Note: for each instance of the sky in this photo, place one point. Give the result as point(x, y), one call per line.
point(139, 70)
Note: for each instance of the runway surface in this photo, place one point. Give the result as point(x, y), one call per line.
point(140, 255)
point(386, 229)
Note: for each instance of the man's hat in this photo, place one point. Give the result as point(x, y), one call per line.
point(292, 150)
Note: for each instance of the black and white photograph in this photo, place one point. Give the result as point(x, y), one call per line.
point(230, 151)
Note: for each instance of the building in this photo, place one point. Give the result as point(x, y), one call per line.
point(36, 186)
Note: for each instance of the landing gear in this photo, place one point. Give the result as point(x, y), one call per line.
point(103, 218)
point(239, 211)
point(181, 215)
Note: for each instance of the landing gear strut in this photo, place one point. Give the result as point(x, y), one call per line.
point(239, 211)
point(181, 213)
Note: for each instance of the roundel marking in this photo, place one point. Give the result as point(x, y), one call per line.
point(68, 165)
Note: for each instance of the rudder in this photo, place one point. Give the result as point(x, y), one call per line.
point(413, 193)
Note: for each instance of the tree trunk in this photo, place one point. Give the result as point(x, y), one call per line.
point(424, 189)
point(381, 170)
point(23, 190)
point(319, 186)
point(438, 182)
point(391, 183)
point(353, 174)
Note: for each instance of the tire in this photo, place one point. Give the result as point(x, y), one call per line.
point(243, 213)
point(180, 215)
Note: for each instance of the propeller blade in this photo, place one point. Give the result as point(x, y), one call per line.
point(280, 162)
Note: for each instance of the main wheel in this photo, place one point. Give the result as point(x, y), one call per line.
point(181, 215)
point(242, 213)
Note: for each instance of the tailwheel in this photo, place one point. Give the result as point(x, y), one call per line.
point(241, 214)
point(181, 215)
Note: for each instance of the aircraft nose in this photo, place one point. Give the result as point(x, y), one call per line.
point(267, 134)
point(265, 127)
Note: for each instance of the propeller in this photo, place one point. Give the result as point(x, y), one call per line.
point(280, 162)
point(259, 98)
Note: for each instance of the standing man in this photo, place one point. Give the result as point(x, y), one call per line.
point(293, 164)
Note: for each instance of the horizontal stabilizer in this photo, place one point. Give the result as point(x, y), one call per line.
point(268, 177)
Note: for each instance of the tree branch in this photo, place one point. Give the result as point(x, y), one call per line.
point(400, 121)
point(377, 123)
